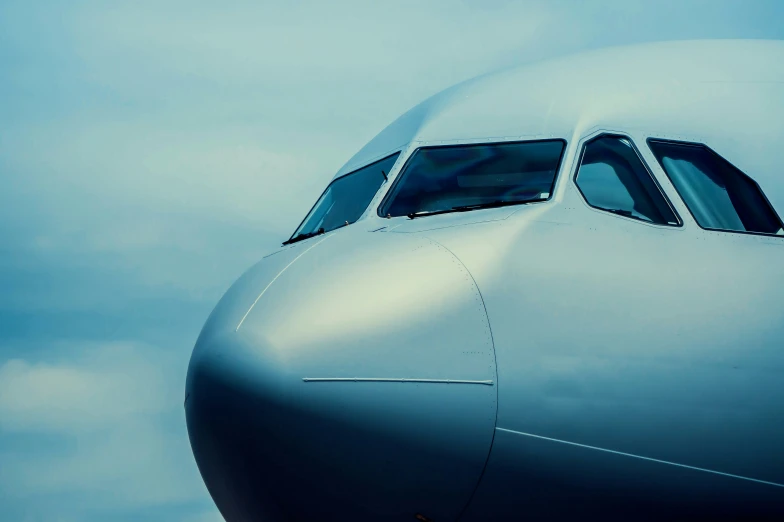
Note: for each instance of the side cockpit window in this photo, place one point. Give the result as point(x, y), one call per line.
point(718, 194)
point(456, 178)
point(613, 178)
point(345, 199)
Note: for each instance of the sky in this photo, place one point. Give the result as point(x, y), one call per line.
point(151, 151)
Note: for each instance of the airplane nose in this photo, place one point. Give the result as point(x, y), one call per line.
point(350, 379)
point(231, 425)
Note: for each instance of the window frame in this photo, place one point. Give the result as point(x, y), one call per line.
point(722, 158)
point(647, 168)
point(403, 173)
point(397, 152)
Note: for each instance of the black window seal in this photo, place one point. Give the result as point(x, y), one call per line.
point(710, 150)
point(404, 168)
point(647, 169)
point(287, 242)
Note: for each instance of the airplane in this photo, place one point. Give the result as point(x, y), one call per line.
point(551, 292)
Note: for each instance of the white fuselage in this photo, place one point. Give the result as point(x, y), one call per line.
point(544, 361)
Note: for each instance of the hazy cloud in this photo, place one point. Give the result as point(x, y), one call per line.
point(113, 415)
point(99, 385)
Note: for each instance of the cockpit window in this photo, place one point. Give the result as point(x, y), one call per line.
point(345, 199)
point(465, 177)
point(613, 178)
point(718, 194)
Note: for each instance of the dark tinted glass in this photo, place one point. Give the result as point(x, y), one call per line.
point(347, 197)
point(440, 178)
point(718, 195)
point(612, 177)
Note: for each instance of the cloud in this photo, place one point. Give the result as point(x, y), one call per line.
point(112, 382)
point(268, 44)
point(92, 175)
point(113, 418)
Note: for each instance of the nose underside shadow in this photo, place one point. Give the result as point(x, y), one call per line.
point(362, 384)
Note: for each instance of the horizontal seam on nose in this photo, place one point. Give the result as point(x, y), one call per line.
point(275, 279)
point(384, 379)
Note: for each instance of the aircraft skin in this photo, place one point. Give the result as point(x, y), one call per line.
point(601, 367)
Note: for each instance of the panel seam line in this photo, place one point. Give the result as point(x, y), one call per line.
point(641, 457)
point(390, 379)
point(276, 278)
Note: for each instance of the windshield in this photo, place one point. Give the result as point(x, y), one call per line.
point(462, 177)
point(345, 199)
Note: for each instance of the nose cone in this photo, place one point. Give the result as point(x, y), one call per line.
point(355, 379)
point(231, 427)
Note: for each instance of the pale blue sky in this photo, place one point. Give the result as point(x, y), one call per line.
point(151, 151)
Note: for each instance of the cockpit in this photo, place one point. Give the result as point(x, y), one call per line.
point(611, 176)
point(438, 180)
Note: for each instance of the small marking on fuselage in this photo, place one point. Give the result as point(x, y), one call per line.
point(383, 379)
point(643, 458)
